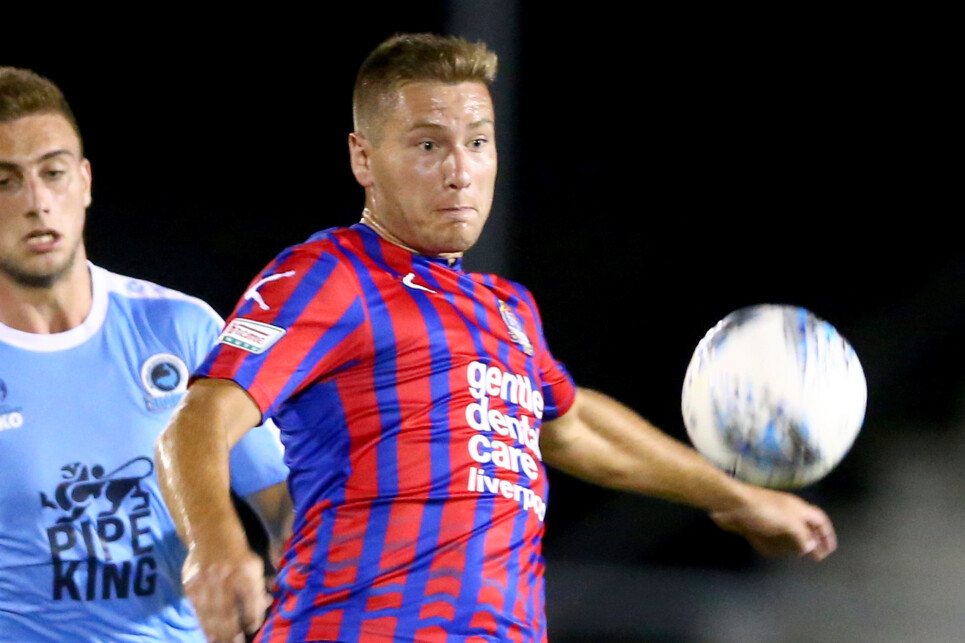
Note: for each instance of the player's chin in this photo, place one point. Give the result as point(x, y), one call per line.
point(39, 273)
point(456, 238)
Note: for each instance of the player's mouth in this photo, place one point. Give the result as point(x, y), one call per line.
point(459, 212)
point(42, 240)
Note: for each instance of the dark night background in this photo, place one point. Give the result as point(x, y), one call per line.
point(659, 169)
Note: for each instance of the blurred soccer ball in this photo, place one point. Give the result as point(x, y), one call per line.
point(774, 395)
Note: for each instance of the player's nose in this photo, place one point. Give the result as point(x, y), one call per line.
point(456, 169)
point(38, 196)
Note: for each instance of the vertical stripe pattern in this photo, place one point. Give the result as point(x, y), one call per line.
point(409, 395)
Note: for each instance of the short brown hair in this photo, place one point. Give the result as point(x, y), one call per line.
point(24, 92)
point(406, 58)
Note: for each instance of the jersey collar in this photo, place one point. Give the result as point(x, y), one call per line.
point(69, 338)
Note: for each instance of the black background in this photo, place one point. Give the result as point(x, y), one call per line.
point(669, 167)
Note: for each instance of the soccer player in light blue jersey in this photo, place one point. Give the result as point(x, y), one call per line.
point(92, 365)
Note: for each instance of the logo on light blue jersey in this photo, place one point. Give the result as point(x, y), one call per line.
point(83, 485)
point(164, 378)
point(10, 417)
point(99, 532)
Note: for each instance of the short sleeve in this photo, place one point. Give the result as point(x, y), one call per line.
point(559, 389)
point(257, 461)
point(296, 323)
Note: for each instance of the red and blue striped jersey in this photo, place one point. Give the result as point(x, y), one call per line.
point(410, 396)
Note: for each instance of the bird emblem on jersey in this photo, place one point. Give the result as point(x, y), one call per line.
point(164, 377)
point(515, 327)
point(253, 294)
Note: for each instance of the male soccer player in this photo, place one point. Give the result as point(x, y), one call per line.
point(417, 402)
point(91, 367)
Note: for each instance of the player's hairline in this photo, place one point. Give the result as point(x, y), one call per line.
point(405, 59)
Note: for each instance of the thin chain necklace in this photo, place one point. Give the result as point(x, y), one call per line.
point(380, 230)
point(368, 220)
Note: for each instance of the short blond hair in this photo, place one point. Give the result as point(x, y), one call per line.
point(406, 58)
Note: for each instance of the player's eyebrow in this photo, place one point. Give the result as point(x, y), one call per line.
point(9, 165)
point(428, 125)
point(53, 153)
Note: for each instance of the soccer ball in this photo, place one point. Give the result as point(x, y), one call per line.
point(774, 395)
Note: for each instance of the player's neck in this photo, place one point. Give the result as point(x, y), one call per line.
point(55, 309)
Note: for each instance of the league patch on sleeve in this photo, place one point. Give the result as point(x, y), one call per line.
point(254, 337)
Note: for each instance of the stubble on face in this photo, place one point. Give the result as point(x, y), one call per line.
point(45, 279)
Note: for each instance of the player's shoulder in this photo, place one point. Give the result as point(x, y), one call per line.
point(512, 293)
point(506, 288)
point(327, 254)
point(336, 241)
point(137, 293)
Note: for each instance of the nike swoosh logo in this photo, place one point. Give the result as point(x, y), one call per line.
point(408, 281)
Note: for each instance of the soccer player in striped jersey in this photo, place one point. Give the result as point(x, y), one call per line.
point(418, 403)
point(91, 366)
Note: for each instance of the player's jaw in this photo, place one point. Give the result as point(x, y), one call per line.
point(446, 230)
point(36, 251)
point(447, 226)
point(41, 258)
point(456, 228)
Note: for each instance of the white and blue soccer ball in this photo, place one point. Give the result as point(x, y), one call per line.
point(774, 395)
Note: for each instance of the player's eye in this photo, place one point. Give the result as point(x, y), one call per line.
point(427, 146)
point(54, 174)
point(478, 142)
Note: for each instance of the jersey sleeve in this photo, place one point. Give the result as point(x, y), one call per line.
point(297, 322)
point(559, 389)
point(257, 460)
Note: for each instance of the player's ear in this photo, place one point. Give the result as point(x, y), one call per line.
point(88, 177)
point(361, 160)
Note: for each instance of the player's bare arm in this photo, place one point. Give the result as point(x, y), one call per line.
point(604, 442)
point(222, 576)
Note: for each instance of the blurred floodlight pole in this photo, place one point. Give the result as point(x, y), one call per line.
point(495, 22)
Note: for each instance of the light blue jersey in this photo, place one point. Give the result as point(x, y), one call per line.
point(88, 552)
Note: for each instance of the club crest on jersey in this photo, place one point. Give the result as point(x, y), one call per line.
point(164, 378)
point(10, 417)
point(515, 327)
point(252, 336)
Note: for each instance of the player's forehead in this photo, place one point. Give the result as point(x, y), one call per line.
point(440, 104)
point(32, 138)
